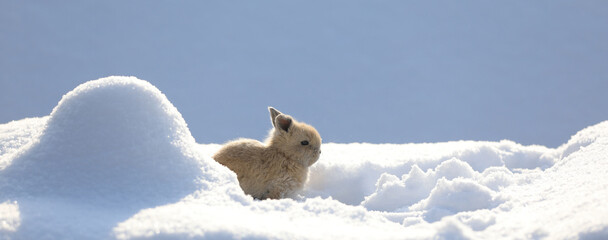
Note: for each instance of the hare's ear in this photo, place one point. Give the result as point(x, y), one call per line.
point(279, 120)
point(283, 122)
point(273, 114)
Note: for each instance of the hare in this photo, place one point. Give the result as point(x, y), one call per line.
point(277, 168)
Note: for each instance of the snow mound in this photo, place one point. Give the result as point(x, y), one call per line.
point(16, 134)
point(459, 195)
point(117, 140)
point(115, 160)
point(390, 176)
point(393, 193)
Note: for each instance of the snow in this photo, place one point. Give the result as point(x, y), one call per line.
point(116, 160)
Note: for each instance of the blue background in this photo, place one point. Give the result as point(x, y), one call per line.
point(534, 72)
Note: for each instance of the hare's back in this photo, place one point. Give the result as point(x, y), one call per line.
point(239, 152)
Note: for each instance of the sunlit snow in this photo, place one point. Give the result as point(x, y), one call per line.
point(115, 159)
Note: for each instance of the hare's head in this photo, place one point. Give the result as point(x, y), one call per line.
point(297, 140)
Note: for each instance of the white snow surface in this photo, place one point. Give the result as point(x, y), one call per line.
point(116, 160)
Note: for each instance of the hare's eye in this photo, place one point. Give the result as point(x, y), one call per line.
point(304, 143)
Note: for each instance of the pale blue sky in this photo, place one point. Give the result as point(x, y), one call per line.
point(360, 71)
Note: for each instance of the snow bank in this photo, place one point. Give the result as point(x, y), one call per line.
point(118, 140)
point(114, 143)
point(115, 159)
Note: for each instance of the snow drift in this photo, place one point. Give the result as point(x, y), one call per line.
point(88, 147)
point(115, 159)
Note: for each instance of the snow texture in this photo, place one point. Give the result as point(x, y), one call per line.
point(116, 160)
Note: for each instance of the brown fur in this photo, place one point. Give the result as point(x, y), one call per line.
point(277, 168)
